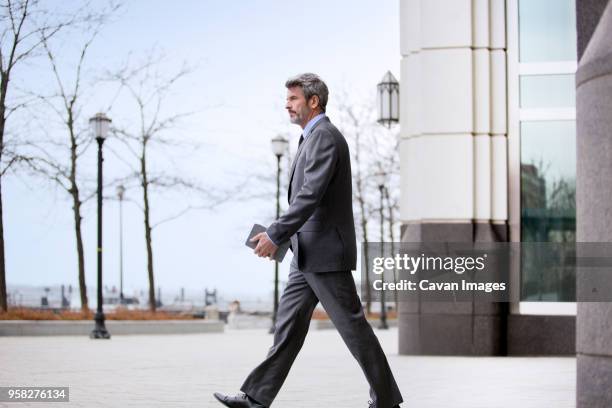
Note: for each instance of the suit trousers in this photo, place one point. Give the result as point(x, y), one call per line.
point(337, 293)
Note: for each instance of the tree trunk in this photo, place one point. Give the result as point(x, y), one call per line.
point(3, 89)
point(3, 300)
point(392, 238)
point(364, 229)
point(147, 222)
point(80, 253)
point(364, 226)
point(364, 222)
point(76, 208)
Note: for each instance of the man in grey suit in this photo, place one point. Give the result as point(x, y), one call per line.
point(319, 223)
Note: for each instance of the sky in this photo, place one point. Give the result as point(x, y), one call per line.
point(240, 53)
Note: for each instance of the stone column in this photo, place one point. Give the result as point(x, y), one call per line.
point(453, 157)
point(594, 196)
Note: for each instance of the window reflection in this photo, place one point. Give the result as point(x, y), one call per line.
point(547, 30)
point(548, 204)
point(547, 91)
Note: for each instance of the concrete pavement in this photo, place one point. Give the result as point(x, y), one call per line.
point(184, 371)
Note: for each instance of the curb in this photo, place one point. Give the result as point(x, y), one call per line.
point(115, 327)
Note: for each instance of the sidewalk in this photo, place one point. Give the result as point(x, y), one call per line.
point(184, 371)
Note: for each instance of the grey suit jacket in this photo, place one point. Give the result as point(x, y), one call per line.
point(319, 220)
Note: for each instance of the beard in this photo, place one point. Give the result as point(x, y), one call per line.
point(296, 119)
point(298, 116)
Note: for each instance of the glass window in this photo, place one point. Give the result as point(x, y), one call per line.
point(548, 204)
point(547, 91)
point(547, 30)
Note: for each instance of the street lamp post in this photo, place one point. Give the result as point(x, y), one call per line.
point(279, 146)
point(388, 100)
point(120, 194)
point(380, 181)
point(100, 124)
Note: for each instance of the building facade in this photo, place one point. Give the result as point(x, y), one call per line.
point(488, 154)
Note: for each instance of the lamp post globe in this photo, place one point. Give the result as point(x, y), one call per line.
point(387, 100)
point(279, 145)
point(380, 178)
point(100, 124)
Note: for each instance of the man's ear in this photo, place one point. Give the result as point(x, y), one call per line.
point(314, 101)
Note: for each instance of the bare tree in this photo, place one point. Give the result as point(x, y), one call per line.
point(355, 122)
point(386, 153)
point(47, 157)
point(155, 132)
point(260, 182)
point(373, 149)
point(25, 26)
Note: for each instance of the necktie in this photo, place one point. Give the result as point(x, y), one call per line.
point(301, 140)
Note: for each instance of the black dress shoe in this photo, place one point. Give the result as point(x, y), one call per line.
point(395, 406)
point(371, 404)
point(239, 401)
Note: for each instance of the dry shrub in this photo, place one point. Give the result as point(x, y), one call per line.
point(391, 314)
point(125, 314)
point(23, 313)
point(320, 314)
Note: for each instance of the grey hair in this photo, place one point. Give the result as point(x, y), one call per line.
point(311, 85)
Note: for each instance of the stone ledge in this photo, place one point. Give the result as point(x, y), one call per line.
point(115, 327)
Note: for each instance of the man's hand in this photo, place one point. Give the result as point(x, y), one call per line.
point(264, 247)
